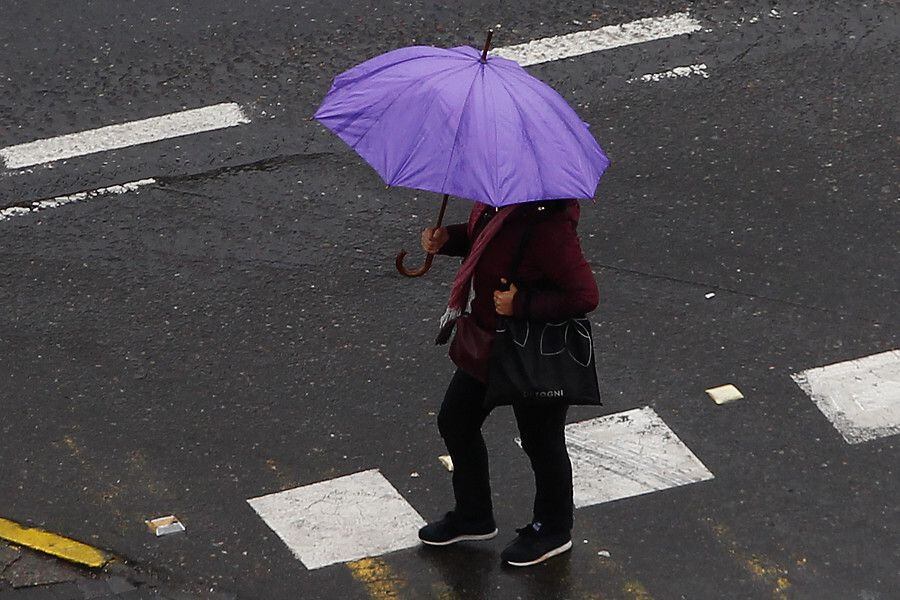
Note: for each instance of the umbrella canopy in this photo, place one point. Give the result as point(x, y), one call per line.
point(445, 121)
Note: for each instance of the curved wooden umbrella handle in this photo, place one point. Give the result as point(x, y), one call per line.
point(428, 259)
point(413, 272)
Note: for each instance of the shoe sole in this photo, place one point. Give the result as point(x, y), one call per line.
point(544, 557)
point(463, 538)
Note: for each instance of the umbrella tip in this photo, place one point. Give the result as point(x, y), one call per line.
point(487, 45)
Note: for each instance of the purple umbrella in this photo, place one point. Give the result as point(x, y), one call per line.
point(457, 122)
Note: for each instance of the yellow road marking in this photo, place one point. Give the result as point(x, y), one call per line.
point(113, 495)
point(378, 578)
point(635, 590)
point(631, 587)
point(283, 481)
point(442, 591)
point(53, 544)
point(761, 567)
point(98, 497)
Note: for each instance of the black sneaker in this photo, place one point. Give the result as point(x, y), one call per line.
point(452, 529)
point(533, 546)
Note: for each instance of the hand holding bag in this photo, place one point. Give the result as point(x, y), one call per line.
point(542, 362)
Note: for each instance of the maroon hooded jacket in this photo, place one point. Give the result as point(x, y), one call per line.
point(553, 279)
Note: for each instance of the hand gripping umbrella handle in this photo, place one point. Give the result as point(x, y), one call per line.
point(429, 258)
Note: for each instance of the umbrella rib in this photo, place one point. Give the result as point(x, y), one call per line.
point(570, 128)
point(400, 62)
point(425, 114)
point(541, 89)
point(527, 136)
point(496, 171)
point(397, 97)
point(456, 135)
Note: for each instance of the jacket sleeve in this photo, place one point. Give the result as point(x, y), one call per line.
point(571, 290)
point(458, 244)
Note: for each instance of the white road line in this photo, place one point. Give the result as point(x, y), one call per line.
point(19, 211)
point(860, 397)
point(178, 124)
point(229, 114)
point(594, 40)
point(699, 69)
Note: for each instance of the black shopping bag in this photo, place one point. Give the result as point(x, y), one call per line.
point(542, 363)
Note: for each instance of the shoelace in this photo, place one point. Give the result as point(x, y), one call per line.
point(527, 530)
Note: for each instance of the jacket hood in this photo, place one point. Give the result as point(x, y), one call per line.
point(570, 209)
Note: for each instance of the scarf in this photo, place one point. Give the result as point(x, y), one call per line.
point(462, 283)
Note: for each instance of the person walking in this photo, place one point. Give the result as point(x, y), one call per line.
point(552, 281)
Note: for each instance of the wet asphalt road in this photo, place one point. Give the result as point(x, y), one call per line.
point(239, 328)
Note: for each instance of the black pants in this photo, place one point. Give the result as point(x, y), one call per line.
point(543, 439)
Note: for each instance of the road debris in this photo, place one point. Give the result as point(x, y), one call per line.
point(724, 393)
point(165, 525)
point(446, 461)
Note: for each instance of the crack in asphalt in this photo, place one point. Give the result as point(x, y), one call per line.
point(265, 164)
point(10, 564)
point(164, 181)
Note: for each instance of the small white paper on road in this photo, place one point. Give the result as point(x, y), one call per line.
point(860, 397)
point(724, 394)
point(446, 461)
point(341, 519)
point(627, 454)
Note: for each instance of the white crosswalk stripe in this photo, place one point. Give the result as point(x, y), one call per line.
point(628, 454)
point(860, 397)
point(362, 515)
point(341, 519)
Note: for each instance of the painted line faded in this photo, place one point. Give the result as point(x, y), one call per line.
point(377, 576)
point(686, 71)
point(112, 137)
point(39, 205)
point(615, 576)
point(764, 569)
point(594, 40)
point(53, 544)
